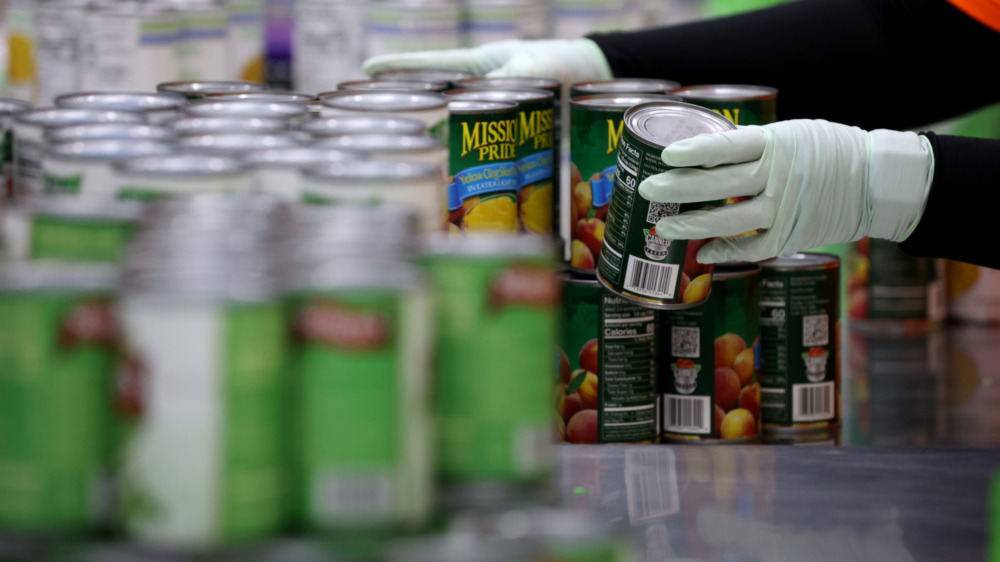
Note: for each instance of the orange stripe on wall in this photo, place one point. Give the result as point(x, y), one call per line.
point(986, 12)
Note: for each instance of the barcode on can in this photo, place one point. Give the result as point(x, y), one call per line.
point(651, 279)
point(687, 414)
point(812, 402)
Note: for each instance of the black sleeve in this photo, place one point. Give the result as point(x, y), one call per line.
point(895, 64)
point(958, 218)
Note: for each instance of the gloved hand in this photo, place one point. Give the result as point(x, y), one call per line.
point(566, 60)
point(811, 183)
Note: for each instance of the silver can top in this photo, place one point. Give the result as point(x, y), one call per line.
point(465, 107)
point(208, 125)
point(389, 84)
point(726, 92)
point(376, 101)
point(107, 149)
point(122, 101)
point(298, 156)
point(181, 165)
point(396, 173)
point(662, 123)
point(265, 95)
point(616, 102)
point(512, 82)
point(353, 124)
point(382, 143)
point(625, 86)
point(237, 142)
point(429, 74)
point(97, 131)
point(61, 117)
point(11, 106)
point(198, 89)
point(246, 108)
point(509, 95)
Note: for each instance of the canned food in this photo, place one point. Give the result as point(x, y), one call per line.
point(157, 107)
point(623, 86)
point(973, 293)
point(58, 352)
point(109, 131)
point(291, 112)
point(635, 262)
point(487, 21)
point(482, 193)
point(129, 45)
point(328, 39)
point(362, 366)
point(494, 383)
point(535, 152)
point(800, 337)
point(245, 39)
point(264, 95)
point(743, 105)
point(29, 135)
point(890, 290)
point(452, 77)
point(60, 27)
point(276, 170)
point(203, 53)
point(236, 144)
point(86, 166)
point(595, 129)
point(89, 228)
point(155, 177)
point(186, 126)
point(606, 393)
point(8, 109)
point(722, 334)
point(407, 26)
point(317, 234)
point(396, 148)
point(429, 107)
point(197, 89)
point(364, 124)
point(416, 185)
point(397, 85)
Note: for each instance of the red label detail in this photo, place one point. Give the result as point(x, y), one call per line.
point(338, 326)
point(525, 286)
point(89, 323)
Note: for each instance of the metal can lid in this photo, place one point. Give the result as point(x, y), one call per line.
point(803, 261)
point(220, 124)
point(264, 95)
point(491, 245)
point(506, 94)
point(181, 165)
point(512, 82)
point(616, 102)
point(97, 131)
point(238, 142)
point(298, 156)
point(573, 278)
point(352, 124)
point(462, 547)
point(98, 207)
point(246, 108)
point(11, 106)
point(348, 216)
point(61, 116)
point(626, 86)
point(662, 123)
point(44, 275)
point(467, 107)
point(384, 101)
point(400, 173)
point(122, 101)
point(382, 143)
point(199, 88)
point(353, 272)
point(430, 74)
point(726, 92)
point(735, 270)
point(107, 150)
point(390, 84)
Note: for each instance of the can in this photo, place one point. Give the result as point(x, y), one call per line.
point(635, 262)
point(197, 89)
point(294, 113)
point(574, 19)
point(890, 290)
point(482, 191)
point(800, 344)
point(203, 52)
point(60, 28)
point(452, 77)
point(155, 177)
point(397, 85)
point(21, 40)
point(109, 131)
point(276, 170)
point(361, 373)
point(535, 152)
point(623, 86)
point(86, 166)
point(58, 360)
point(235, 144)
point(487, 21)
point(187, 126)
point(607, 392)
point(29, 136)
point(87, 228)
point(9, 108)
point(741, 104)
point(724, 334)
point(413, 184)
point(463, 547)
point(406, 26)
point(245, 39)
point(494, 382)
point(157, 107)
point(429, 107)
point(328, 41)
point(129, 45)
point(284, 96)
point(364, 124)
point(421, 149)
point(595, 130)
point(973, 293)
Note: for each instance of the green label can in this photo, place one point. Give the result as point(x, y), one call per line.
point(623, 87)
point(483, 188)
point(496, 301)
point(800, 326)
point(722, 336)
point(57, 338)
point(606, 389)
point(741, 104)
point(634, 262)
point(595, 130)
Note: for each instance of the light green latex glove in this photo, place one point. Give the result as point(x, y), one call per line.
point(568, 61)
point(811, 183)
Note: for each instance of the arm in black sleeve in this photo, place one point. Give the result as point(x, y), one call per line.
point(958, 220)
point(895, 64)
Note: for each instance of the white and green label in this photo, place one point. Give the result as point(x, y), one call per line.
point(59, 238)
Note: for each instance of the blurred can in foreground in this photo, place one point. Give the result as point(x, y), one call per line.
point(156, 177)
point(429, 107)
point(494, 386)
point(57, 337)
point(973, 293)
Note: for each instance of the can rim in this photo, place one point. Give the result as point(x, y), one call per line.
point(203, 86)
point(109, 131)
point(735, 270)
point(621, 86)
point(636, 120)
point(370, 84)
point(372, 171)
point(181, 165)
point(383, 100)
point(432, 74)
point(571, 278)
point(245, 108)
point(506, 82)
point(716, 92)
point(232, 141)
point(106, 150)
point(477, 107)
point(122, 101)
point(13, 106)
point(802, 261)
point(225, 124)
point(382, 142)
point(296, 156)
point(515, 95)
point(607, 102)
point(61, 116)
point(280, 96)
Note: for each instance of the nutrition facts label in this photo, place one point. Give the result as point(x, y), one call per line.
point(628, 378)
